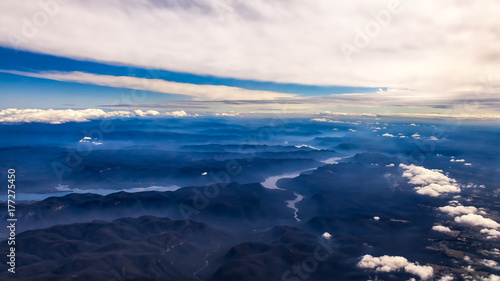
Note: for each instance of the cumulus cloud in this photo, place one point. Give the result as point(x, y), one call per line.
point(458, 210)
point(388, 135)
point(52, 116)
point(395, 263)
point(477, 220)
point(491, 264)
point(180, 113)
point(429, 182)
point(447, 278)
point(491, 233)
point(492, 277)
point(441, 228)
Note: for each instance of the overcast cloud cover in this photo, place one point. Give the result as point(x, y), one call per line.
point(421, 53)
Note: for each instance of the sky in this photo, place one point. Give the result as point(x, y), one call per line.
point(205, 57)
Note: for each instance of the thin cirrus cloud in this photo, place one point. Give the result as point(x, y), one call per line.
point(429, 53)
point(242, 98)
point(196, 92)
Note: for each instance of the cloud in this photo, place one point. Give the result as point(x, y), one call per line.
point(197, 92)
point(230, 114)
point(491, 264)
point(146, 113)
point(491, 233)
point(441, 228)
point(477, 220)
point(395, 263)
point(282, 41)
point(256, 39)
point(429, 182)
point(447, 278)
point(492, 277)
point(52, 116)
point(388, 135)
point(326, 235)
point(180, 113)
point(458, 210)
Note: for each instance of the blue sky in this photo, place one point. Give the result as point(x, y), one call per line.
point(20, 91)
point(220, 56)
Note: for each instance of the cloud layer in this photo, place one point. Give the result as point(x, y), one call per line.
point(52, 116)
point(417, 50)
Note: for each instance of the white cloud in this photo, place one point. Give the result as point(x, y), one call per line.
point(12, 115)
point(458, 210)
point(416, 136)
point(441, 228)
point(494, 252)
point(390, 165)
point(180, 113)
point(274, 40)
point(429, 182)
point(491, 264)
point(388, 135)
point(433, 138)
point(425, 272)
point(492, 277)
point(146, 113)
point(477, 220)
point(457, 160)
point(395, 263)
point(326, 235)
point(491, 233)
point(447, 278)
point(197, 92)
point(52, 116)
point(228, 114)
